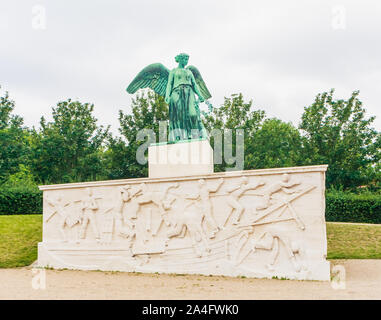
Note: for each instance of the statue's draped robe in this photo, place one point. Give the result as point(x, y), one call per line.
point(184, 115)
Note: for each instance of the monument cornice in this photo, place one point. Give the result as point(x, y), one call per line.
point(255, 172)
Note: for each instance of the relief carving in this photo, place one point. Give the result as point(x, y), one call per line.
point(284, 185)
point(188, 220)
point(284, 202)
point(89, 209)
point(273, 236)
point(205, 204)
point(234, 194)
point(131, 211)
point(271, 240)
point(254, 226)
point(66, 219)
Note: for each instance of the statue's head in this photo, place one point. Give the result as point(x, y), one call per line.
point(182, 58)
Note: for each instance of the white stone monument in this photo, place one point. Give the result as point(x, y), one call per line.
point(179, 159)
point(254, 223)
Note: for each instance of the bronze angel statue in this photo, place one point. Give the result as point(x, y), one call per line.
point(179, 87)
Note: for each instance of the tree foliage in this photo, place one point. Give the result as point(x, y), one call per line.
point(275, 144)
point(14, 139)
point(147, 110)
point(70, 148)
point(337, 133)
point(234, 114)
point(268, 143)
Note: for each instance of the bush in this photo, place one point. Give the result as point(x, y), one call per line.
point(349, 207)
point(20, 200)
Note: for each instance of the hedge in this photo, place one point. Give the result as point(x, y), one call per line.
point(348, 207)
point(20, 201)
point(340, 206)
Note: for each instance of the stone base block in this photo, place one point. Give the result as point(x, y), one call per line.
point(186, 158)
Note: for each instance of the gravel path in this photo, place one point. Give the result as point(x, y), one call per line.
point(363, 281)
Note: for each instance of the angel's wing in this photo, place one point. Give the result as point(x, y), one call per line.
point(154, 76)
point(200, 82)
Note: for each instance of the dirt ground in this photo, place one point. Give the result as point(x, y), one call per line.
point(362, 281)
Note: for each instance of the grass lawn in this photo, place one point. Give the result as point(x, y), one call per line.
point(353, 241)
point(19, 235)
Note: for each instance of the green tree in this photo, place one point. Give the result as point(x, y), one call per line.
point(275, 144)
point(14, 140)
point(148, 109)
point(337, 133)
point(71, 147)
point(234, 114)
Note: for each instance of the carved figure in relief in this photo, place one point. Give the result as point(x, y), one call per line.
point(129, 198)
point(191, 221)
point(284, 202)
point(134, 200)
point(240, 243)
point(66, 219)
point(271, 240)
point(125, 225)
point(126, 195)
point(186, 219)
point(89, 208)
point(164, 205)
point(235, 194)
point(282, 185)
point(155, 198)
point(205, 203)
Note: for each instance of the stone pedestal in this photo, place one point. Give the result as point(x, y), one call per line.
point(255, 223)
point(186, 158)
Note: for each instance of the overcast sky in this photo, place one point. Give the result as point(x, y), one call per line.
point(278, 53)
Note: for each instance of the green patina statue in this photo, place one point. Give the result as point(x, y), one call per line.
point(179, 87)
